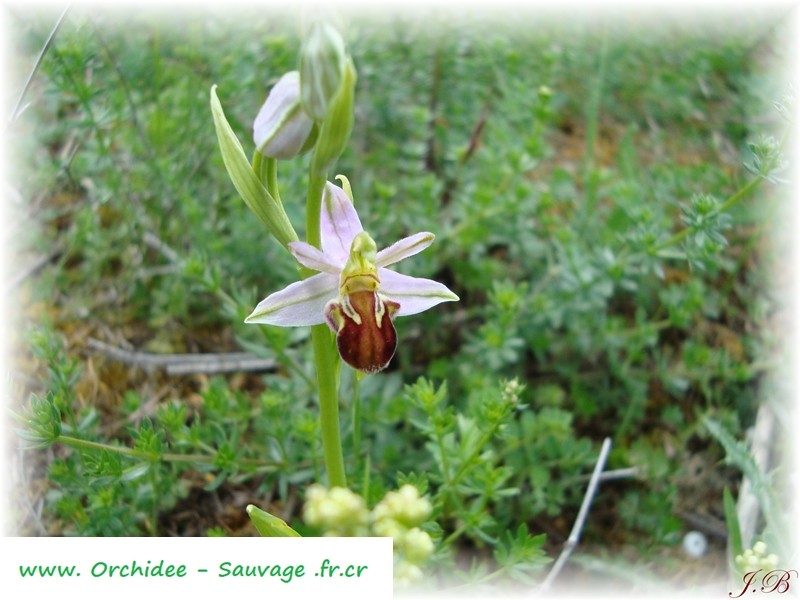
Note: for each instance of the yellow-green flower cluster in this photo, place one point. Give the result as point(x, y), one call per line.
point(399, 516)
point(756, 558)
point(405, 506)
point(340, 512)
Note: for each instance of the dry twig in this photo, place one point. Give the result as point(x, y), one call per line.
point(186, 364)
point(18, 106)
point(575, 534)
point(29, 270)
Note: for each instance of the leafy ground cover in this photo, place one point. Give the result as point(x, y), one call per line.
point(606, 196)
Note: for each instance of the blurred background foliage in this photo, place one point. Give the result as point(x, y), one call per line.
point(555, 159)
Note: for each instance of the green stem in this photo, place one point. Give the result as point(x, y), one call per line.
point(266, 169)
point(449, 496)
point(74, 442)
point(365, 480)
point(448, 541)
point(316, 186)
point(86, 444)
point(153, 524)
point(476, 450)
point(455, 535)
point(592, 121)
point(272, 180)
point(326, 358)
point(445, 461)
point(356, 419)
point(327, 362)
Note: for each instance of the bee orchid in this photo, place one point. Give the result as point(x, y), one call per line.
point(353, 291)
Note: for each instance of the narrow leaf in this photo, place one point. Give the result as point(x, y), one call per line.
point(732, 522)
point(245, 180)
point(737, 454)
point(136, 471)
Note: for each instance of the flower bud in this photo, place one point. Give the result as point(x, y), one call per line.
point(269, 525)
point(322, 64)
point(282, 129)
point(335, 128)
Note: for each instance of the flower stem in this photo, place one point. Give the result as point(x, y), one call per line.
point(356, 419)
point(316, 185)
point(272, 180)
point(327, 365)
point(266, 169)
point(325, 357)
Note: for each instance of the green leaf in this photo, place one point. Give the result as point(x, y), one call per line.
point(246, 181)
point(737, 454)
point(136, 471)
point(269, 525)
point(41, 424)
point(732, 521)
point(521, 554)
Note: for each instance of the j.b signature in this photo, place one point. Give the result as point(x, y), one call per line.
point(776, 580)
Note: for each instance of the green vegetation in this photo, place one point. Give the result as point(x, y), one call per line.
point(606, 199)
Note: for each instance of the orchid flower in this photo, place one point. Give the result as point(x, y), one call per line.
point(353, 291)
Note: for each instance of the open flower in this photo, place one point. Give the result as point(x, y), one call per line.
point(354, 292)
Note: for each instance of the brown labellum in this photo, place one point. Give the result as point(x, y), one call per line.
point(365, 334)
